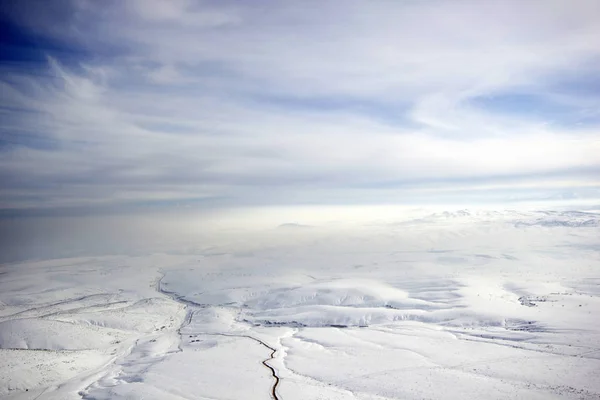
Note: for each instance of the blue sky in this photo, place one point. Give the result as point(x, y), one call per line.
point(123, 103)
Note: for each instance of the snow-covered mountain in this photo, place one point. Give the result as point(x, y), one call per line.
point(455, 305)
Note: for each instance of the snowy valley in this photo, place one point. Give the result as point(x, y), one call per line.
point(446, 305)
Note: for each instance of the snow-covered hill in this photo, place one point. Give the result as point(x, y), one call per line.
point(450, 305)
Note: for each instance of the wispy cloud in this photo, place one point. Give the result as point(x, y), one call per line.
point(342, 101)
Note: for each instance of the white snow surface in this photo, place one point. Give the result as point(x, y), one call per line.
point(450, 305)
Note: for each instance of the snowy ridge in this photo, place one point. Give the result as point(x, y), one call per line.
point(471, 302)
point(547, 218)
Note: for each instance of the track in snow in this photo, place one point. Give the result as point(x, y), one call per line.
point(188, 319)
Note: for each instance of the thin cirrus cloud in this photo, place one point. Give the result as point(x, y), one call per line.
point(122, 103)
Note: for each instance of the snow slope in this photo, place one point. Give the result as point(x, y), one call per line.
point(450, 305)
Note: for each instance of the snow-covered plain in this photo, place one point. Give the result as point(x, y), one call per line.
point(450, 305)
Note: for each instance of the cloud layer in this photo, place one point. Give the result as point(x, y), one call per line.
point(112, 103)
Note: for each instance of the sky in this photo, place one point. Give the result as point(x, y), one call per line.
point(155, 104)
